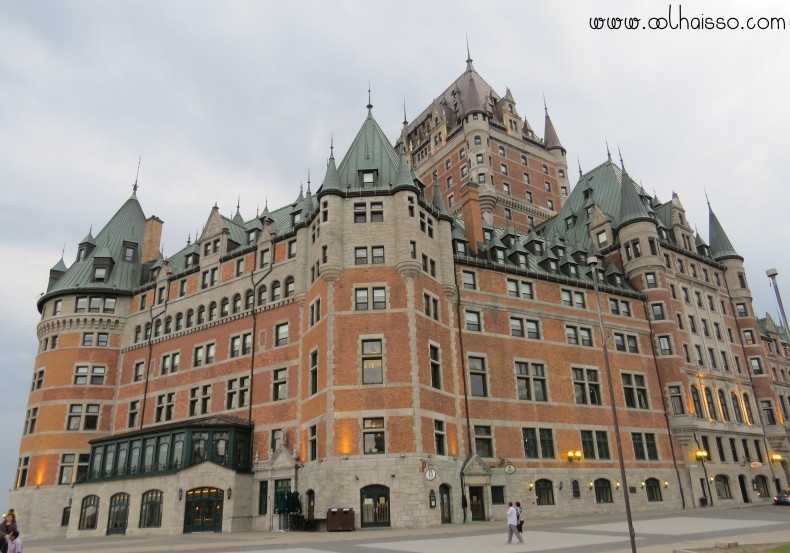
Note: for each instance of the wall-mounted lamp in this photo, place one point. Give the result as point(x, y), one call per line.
point(711, 479)
point(180, 494)
point(531, 485)
point(574, 456)
point(69, 502)
point(643, 483)
point(701, 455)
point(560, 484)
point(230, 492)
point(617, 484)
point(666, 484)
point(591, 485)
point(776, 457)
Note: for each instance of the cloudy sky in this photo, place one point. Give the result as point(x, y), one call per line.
point(239, 99)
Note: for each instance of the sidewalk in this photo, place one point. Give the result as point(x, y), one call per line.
point(662, 532)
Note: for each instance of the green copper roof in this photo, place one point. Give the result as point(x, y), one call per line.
point(632, 209)
point(720, 246)
point(127, 225)
point(370, 150)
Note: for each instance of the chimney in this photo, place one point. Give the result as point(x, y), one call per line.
point(151, 239)
point(473, 224)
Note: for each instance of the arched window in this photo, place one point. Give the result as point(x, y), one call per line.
point(575, 489)
point(212, 311)
point(147, 331)
point(653, 489)
point(714, 414)
point(262, 295)
point(89, 512)
point(168, 324)
point(722, 484)
point(119, 513)
point(747, 405)
point(151, 509)
point(290, 287)
point(276, 290)
point(158, 328)
point(725, 412)
point(544, 492)
point(190, 318)
point(698, 411)
point(201, 316)
point(249, 299)
point(236, 303)
point(225, 307)
point(736, 408)
point(179, 321)
point(761, 483)
point(603, 491)
point(138, 330)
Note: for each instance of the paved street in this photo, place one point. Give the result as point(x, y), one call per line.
point(656, 533)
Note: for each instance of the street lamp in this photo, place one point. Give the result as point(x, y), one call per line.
point(592, 262)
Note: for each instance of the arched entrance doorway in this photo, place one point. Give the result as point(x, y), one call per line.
point(310, 495)
point(203, 510)
point(119, 514)
point(744, 491)
point(374, 506)
point(444, 503)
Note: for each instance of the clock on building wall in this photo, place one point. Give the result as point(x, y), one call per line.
point(430, 474)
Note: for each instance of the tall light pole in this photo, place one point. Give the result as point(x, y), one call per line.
point(592, 261)
point(772, 275)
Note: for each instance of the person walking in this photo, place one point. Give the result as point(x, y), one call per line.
point(6, 527)
point(14, 542)
point(520, 513)
point(512, 524)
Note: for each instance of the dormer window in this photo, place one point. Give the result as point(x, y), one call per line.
point(500, 256)
point(572, 271)
point(368, 179)
point(82, 252)
point(570, 221)
point(154, 273)
point(560, 251)
point(553, 265)
point(487, 235)
point(295, 218)
point(99, 274)
point(522, 260)
point(538, 248)
point(129, 251)
point(252, 236)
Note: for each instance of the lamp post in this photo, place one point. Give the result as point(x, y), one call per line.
point(592, 261)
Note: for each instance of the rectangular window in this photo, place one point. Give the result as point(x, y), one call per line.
point(279, 384)
point(650, 280)
point(360, 256)
point(139, 371)
point(634, 390)
point(477, 376)
point(434, 353)
point(439, 437)
point(373, 436)
point(531, 381)
point(281, 334)
point(313, 372)
point(200, 400)
point(472, 321)
point(586, 386)
point(484, 446)
point(469, 280)
point(237, 392)
point(676, 400)
point(164, 407)
point(372, 362)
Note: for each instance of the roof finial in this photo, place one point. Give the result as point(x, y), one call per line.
point(134, 188)
point(405, 121)
point(469, 66)
point(63, 251)
point(308, 179)
point(580, 166)
point(608, 153)
point(706, 197)
point(545, 108)
point(370, 106)
point(622, 165)
point(238, 203)
point(189, 239)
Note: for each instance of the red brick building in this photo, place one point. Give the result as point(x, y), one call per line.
point(418, 341)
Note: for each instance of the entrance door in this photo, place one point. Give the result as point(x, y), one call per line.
point(444, 503)
point(744, 491)
point(375, 505)
point(476, 504)
point(203, 510)
point(119, 514)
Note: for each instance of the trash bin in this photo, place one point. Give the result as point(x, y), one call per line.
point(340, 520)
point(703, 501)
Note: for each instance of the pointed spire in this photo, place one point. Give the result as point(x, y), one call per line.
point(134, 188)
point(438, 201)
point(632, 208)
point(331, 179)
point(370, 105)
point(469, 66)
point(608, 153)
point(405, 121)
point(403, 178)
point(580, 166)
point(550, 138)
point(720, 246)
